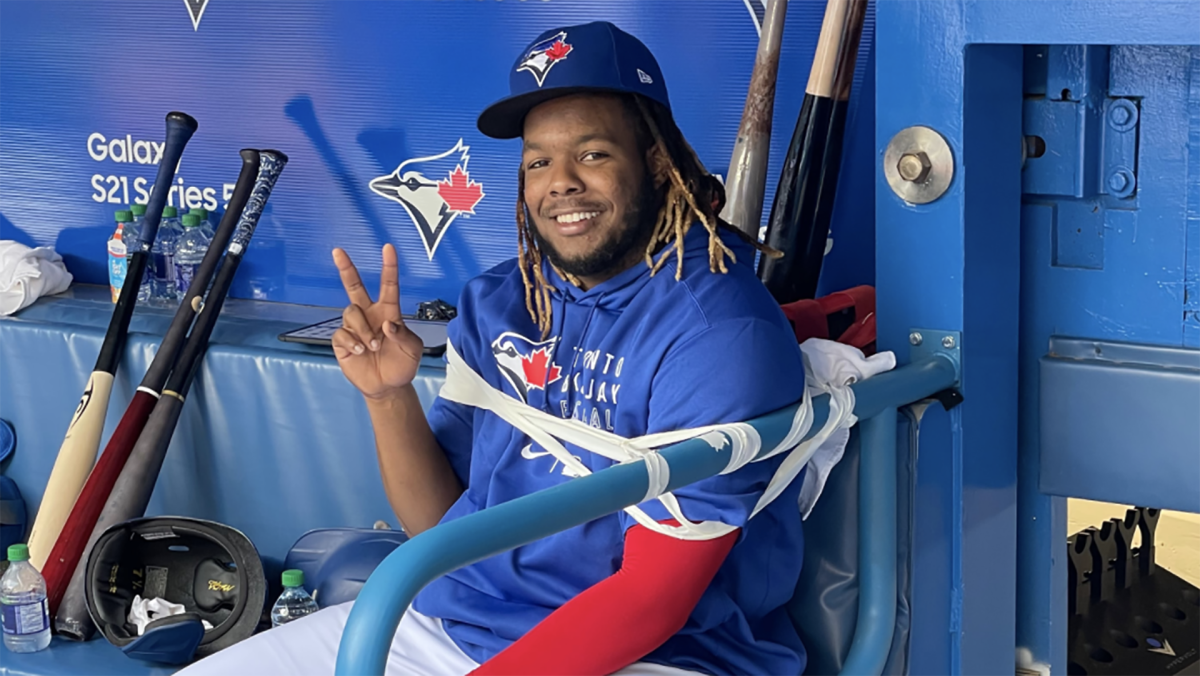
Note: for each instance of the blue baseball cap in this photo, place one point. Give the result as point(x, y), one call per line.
point(591, 57)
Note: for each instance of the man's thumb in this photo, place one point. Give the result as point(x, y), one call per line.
point(391, 329)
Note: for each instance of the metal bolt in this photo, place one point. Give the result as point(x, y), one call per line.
point(1118, 181)
point(914, 167)
point(915, 338)
point(948, 342)
point(1119, 115)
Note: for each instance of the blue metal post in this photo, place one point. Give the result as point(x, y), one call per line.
point(876, 546)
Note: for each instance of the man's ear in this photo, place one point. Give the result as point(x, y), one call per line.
point(658, 164)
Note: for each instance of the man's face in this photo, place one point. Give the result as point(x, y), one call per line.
point(586, 186)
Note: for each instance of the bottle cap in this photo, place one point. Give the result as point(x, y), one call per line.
point(293, 578)
point(170, 212)
point(202, 213)
point(191, 220)
point(123, 216)
point(18, 552)
point(138, 209)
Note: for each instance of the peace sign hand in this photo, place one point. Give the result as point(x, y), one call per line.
point(378, 354)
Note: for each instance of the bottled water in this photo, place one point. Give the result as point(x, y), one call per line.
point(205, 222)
point(133, 242)
point(189, 252)
point(294, 603)
point(118, 261)
point(23, 602)
point(163, 255)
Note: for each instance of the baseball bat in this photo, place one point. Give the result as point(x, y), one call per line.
point(82, 441)
point(746, 180)
point(131, 492)
point(803, 204)
point(75, 531)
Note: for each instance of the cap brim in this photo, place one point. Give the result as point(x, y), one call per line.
point(505, 119)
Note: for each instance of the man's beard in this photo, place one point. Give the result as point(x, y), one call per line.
point(614, 254)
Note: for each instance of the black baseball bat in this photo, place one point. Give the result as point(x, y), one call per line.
point(82, 441)
point(64, 557)
point(131, 492)
point(803, 205)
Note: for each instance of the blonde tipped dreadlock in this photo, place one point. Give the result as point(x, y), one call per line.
point(689, 196)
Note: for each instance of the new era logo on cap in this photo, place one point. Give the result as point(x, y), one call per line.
point(646, 79)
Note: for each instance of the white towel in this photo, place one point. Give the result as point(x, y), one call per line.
point(839, 365)
point(144, 611)
point(28, 274)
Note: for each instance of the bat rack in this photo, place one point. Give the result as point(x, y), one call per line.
point(1125, 612)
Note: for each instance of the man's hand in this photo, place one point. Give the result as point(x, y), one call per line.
point(378, 354)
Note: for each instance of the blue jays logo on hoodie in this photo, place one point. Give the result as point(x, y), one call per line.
point(527, 365)
point(434, 191)
point(544, 55)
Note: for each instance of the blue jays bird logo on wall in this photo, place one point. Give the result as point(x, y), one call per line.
point(434, 191)
point(541, 57)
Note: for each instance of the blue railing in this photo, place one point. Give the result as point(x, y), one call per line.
point(391, 588)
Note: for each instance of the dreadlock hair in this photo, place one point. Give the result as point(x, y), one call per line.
point(688, 193)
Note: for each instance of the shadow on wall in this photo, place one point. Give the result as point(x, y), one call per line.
point(10, 231)
point(83, 252)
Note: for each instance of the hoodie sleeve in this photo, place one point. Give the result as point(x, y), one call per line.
point(731, 371)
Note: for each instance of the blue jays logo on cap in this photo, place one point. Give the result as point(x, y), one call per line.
point(543, 56)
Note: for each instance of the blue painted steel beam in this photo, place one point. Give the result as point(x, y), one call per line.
point(391, 588)
point(1094, 22)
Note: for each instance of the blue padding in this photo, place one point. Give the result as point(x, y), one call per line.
point(8, 439)
point(71, 658)
point(390, 590)
point(272, 439)
point(1118, 423)
point(172, 640)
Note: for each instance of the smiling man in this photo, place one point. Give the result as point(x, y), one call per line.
point(631, 309)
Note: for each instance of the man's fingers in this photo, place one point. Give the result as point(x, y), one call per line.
point(350, 279)
point(389, 280)
point(346, 344)
point(355, 320)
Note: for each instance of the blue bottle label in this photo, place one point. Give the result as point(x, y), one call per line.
point(23, 619)
point(183, 277)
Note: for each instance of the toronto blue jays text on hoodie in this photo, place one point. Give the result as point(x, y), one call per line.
point(635, 355)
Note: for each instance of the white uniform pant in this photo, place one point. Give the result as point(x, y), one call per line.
point(309, 646)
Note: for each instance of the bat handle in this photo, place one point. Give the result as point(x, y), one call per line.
point(270, 165)
point(180, 128)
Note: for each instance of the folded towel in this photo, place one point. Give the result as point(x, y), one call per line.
point(28, 274)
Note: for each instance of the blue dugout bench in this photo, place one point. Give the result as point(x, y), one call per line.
point(275, 442)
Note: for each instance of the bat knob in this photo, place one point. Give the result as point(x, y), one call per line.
point(914, 167)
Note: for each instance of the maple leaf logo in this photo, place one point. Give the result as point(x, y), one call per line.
point(558, 51)
point(535, 367)
point(460, 192)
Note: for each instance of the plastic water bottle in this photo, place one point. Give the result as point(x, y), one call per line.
point(118, 260)
point(23, 602)
point(133, 242)
point(189, 252)
point(294, 603)
point(206, 225)
point(163, 256)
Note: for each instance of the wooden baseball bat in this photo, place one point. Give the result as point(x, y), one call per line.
point(746, 181)
point(132, 490)
point(803, 204)
point(64, 557)
point(82, 441)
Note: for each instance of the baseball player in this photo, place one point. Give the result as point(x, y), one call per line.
point(630, 308)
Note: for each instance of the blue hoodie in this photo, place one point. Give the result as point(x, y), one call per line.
point(633, 355)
